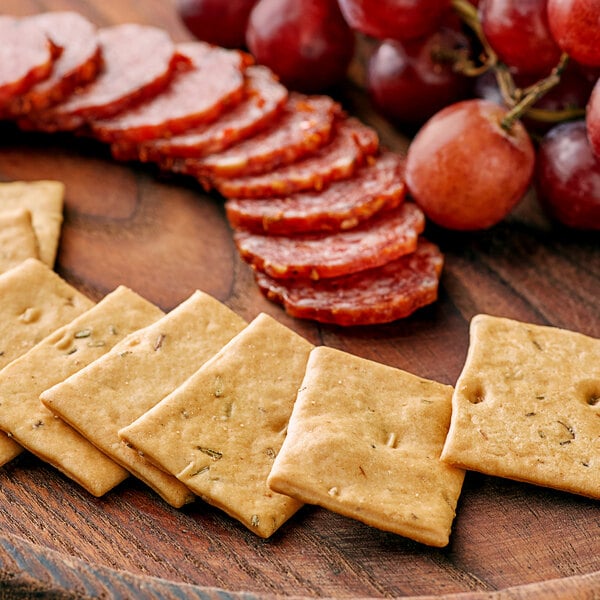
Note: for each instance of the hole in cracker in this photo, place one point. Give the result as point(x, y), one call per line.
point(590, 390)
point(594, 399)
point(476, 395)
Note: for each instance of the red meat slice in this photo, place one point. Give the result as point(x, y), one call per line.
point(26, 57)
point(344, 204)
point(263, 101)
point(305, 124)
point(381, 295)
point(352, 143)
point(197, 95)
point(139, 61)
point(78, 64)
point(382, 238)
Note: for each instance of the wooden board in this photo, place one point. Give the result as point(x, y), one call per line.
point(164, 238)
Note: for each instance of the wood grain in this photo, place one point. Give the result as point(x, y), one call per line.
point(164, 237)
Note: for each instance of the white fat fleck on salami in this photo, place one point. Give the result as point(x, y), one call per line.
point(377, 186)
point(380, 295)
point(78, 63)
point(349, 148)
point(138, 63)
point(382, 238)
point(26, 57)
point(198, 94)
point(304, 125)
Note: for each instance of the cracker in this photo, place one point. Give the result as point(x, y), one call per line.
point(364, 440)
point(18, 241)
point(220, 431)
point(527, 406)
point(59, 355)
point(44, 200)
point(137, 374)
point(34, 301)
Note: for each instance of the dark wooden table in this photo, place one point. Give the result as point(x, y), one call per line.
point(164, 237)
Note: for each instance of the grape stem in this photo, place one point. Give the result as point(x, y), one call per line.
point(519, 101)
point(533, 93)
point(468, 14)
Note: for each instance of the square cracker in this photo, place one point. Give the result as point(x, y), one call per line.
point(526, 406)
point(364, 440)
point(137, 374)
point(18, 241)
point(220, 431)
point(34, 301)
point(59, 355)
point(44, 200)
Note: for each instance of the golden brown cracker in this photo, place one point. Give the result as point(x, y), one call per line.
point(364, 440)
point(44, 199)
point(138, 373)
point(527, 406)
point(18, 241)
point(62, 353)
point(220, 431)
point(34, 301)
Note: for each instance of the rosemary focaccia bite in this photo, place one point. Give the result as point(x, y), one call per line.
point(527, 406)
point(44, 200)
point(135, 375)
point(18, 241)
point(62, 353)
point(220, 431)
point(364, 441)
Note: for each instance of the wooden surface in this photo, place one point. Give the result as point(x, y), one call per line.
point(164, 238)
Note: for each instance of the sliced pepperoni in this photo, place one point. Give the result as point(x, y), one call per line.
point(139, 61)
point(26, 57)
point(262, 104)
point(382, 238)
point(352, 143)
point(305, 124)
point(344, 204)
point(78, 64)
point(214, 81)
point(380, 295)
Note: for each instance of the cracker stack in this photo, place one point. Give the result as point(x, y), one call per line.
point(255, 420)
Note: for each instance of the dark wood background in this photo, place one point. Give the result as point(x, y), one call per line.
point(163, 237)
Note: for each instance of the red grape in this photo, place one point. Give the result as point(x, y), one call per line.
point(216, 21)
point(568, 176)
point(308, 44)
point(394, 19)
point(464, 170)
point(575, 25)
point(410, 81)
point(518, 32)
point(593, 120)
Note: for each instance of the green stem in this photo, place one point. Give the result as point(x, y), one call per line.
point(534, 93)
point(469, 15)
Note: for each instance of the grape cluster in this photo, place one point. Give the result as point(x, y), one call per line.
point(500, 93)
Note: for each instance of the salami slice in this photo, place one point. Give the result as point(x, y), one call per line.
point(380, 295)
point(26, 57)
point(344, 204)
point(263, 102)
point(382, 238)
point(197, 95)
point(139, 61)
point(352, 143)
point(305, 124)
point(78, 64)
